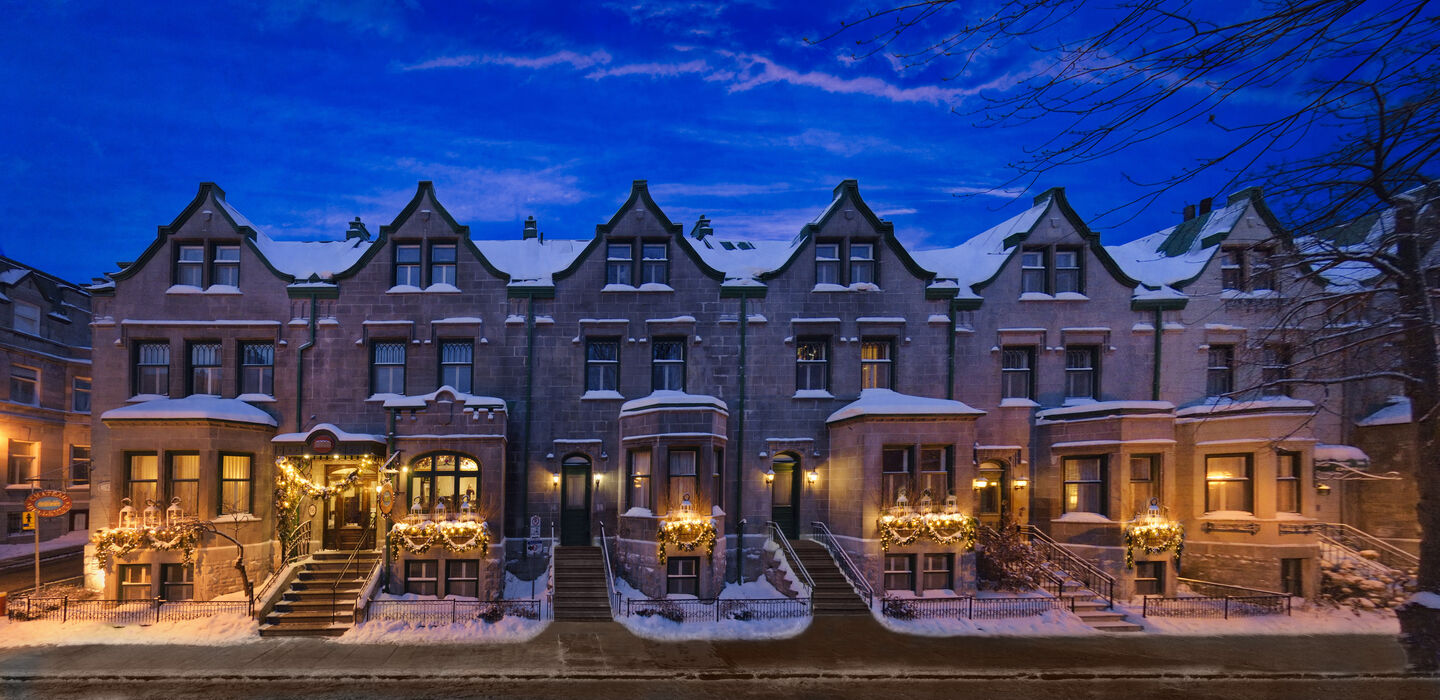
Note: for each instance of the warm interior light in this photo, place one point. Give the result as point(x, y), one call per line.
point(981, 483)
point(1021, 483)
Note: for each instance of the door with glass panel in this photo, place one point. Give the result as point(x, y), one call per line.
point(785, 495)
point(575, 502)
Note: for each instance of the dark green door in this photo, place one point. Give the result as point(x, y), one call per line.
point(575, 503)
point(785, 496)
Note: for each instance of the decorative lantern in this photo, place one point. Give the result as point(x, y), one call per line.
point(127, 514)
point(151, 517)
point(440, 512)
point(467, 507)
point(174, 513)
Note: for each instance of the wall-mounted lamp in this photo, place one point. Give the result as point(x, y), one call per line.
point(1322, 489)
point(377, 489)
point(769, 477)
point(812, 476)
point(597, 480)
point(980, 483)
point(1020, 483)
point(554, 479)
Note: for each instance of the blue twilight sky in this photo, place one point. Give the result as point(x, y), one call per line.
point(309, 113)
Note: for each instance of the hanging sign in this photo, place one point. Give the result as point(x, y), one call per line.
point(322, 443)
point(387, 498)
point(48, 504)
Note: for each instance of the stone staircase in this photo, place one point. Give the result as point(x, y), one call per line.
point(833, 594)
point(305, 609)
point(1092, 609)
point(581, 594)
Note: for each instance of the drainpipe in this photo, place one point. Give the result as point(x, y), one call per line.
point(524, 471)
point(740, 452)
point(389, 450)
point(950, 354)
point(300, 370)
point(1155, 369)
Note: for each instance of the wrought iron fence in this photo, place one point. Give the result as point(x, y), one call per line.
point(970, 608)
point(715, 610)
point(122, 612)
point(1224, 607)
point(433, 613)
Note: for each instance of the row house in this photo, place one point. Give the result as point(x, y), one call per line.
point(687, 396)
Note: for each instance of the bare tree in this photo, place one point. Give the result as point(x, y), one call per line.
point(1362, 215)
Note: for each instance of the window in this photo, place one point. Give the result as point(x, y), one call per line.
point(1287, 482)
point(862, 263)
point(1149, 578)
point(1227, 483)
point(1067, 271)
point(1247, 269)
point(24, 385)
point(1055, 270)
point(442, 263)
point(184, 482)
point(812, 365)
point(1292, 577)
point(717, 492)
point(225, 269)
point(1262, 274)
point(14, 522)
point(27, 318)
point(667, 369)
point(1017, 373)
point(602, 365)
point(457, 362)
point(449, 477)
point(79, 465)
point(134, 581)
point(1275, 369)
point(938, 572)
point(142, 479)
point(257, 368)
point(682, 575)
point(190, 265)
point(654, 266)
point(895, 475)
point(80, 394)
point(619, 263)
point(1080, 371)
point(1144, 482)
point(407, 265)
point(22, 462)
point(177, 581)
point(682, 477)
point(1220, 370)
point(1231, 268)
point(205, 368)
point(387, 372)
point(900, 572)
point(462, 578)
point(79, 520)
point(420, 576)
point(935, 473)
point(235, 486)
point(1033, 276)
point(876, 368)
point(639, 479)
point(827, 263)
point(1085, 490)
point(990, 500)
point(152, 368)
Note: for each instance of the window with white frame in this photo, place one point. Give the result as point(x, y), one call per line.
point(654, 264)
point(1067, 271)
point(205, 368)
point(939, 573)
point(24, 456)
point(1017, 372)
point(152, 368)
point(877, 368)
point(827, 263)
point(862, 263)
point(900, 572)
point(190, 265)
point(1085, 490)
point(387, 368)
point(134, 581)
point(1228, 483)
point(457, 364)
point(1081, 371)
point(177, 581)
point(1033, 274)
point(225, 267)
point(462, 578)
point(79, 465)
point(619, 263)
point(812, 364)
point(421, 576)
point(257, 368)
point(407, 265)
point(24, 385)
point(442, 263)
point(682, 576)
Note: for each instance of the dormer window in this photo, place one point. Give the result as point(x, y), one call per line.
point(190, 266)
point(1245, 269)
point(407, 265)
point(831, 259)
point(222, 265)
point(226, 267)
point(27, 318)
point(654, 266)
point(442, 263)
point(1051, 270)
point(620, 266)
point(619, 263)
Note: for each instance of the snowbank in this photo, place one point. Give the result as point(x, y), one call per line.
point(69, 539)
point(211, 631)
point(659, 628)
point(1302, 620)
point(507, 630)
point(1056, 623)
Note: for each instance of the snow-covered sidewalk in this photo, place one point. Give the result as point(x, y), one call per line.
point(69, 539)
point(1306, 619)
point(509, 629)
point(220, 630)
point(658, 627)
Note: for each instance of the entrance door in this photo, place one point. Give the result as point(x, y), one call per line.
point(993, 500)
point(347, 511)
point(575, 502)
point(785, 495)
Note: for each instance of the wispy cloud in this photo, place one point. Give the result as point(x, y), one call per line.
point(719, 189)
point(982, 191)
point(577, 61)
point(758, 70)
point(651, 70)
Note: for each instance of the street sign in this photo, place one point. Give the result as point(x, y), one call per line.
point(48, 504)
point(27, 520)
point(534, 527)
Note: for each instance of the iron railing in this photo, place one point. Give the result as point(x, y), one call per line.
point(550, 575)
point(299, 543)
point(778, 537)
point(367, 537)
point(971, 608)
point(821, 533)
point(1359, 540)
point(715, 610)
point(611, 595)
point(122, 612)
point(1220, 590)
point(1224, 607)
point(433, 613)
point(1083, 572)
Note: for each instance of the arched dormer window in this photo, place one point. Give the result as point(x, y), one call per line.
point(445, 475)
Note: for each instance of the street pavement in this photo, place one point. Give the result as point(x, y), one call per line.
point(835, 657)
point(18, 573)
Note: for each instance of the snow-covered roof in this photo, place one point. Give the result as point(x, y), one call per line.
point(744, 261)
point(1341, 454)
point(672, 399)
point(885, 402)
point(13, 275)
point(444, 392)
point(1105, 407)
point(1175, 256)
point(199, 407)
point(1395, 412)
point(302, 259)
point(531, 261)
point(1220, 404)
point(340, 435)
point(979, 258)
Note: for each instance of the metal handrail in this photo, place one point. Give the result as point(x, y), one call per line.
point(1344, 534)
point(550, 571)
point(293, 552)
point(1090, 576)
point(1192, 582)
point(822, 534)
point(335, 587)
point(611, 596)
point(778, 536)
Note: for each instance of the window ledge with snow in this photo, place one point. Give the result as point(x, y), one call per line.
point(1018, 403)
point(141, 398)
point(442, 288)
point(237, 518)
point(1058, 296)
point(404, 289)
point(184, 289)
point(599, 395)
point(1228, 515)
point(256, 398)
point(225, 289)
point(857, 287)
point(1083, 517)
point(813, 394)
point(639, 512)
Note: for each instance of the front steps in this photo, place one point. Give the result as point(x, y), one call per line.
point(580, 591)
point(833, 594)
point(305, 610)
point(1091, 608)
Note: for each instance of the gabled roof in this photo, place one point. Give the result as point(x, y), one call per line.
point(1176, 256)
point(847, 191)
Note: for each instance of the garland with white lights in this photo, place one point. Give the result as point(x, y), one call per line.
point(121, 541)
point(687, 535)
point(1154, 538)
point(454, 536)
point(945, 529)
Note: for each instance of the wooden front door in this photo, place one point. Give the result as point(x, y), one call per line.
point(575, 504)
point(785, 496)
point(348, 511)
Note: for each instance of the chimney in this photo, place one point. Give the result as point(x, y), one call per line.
point(532, 229)
point(702, 228)
point(1205, 205)
point(1189, 212)
point(357, 230)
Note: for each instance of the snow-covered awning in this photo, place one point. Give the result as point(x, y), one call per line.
point(199, 407)
point(884, 402)
point(340, 435)
point(665, 399)
point(441, 395)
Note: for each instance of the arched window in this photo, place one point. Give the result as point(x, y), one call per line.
point(448, 476)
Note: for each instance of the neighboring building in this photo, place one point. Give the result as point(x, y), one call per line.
point(45, 411)
point(649, 384)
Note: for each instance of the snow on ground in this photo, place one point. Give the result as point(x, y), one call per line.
point(1304, 619)
point(658, 628)
point(508, 630)
point(1055, 623)
point(68, 539)
point(211, 631)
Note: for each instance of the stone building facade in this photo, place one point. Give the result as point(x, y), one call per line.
point(686, 396)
